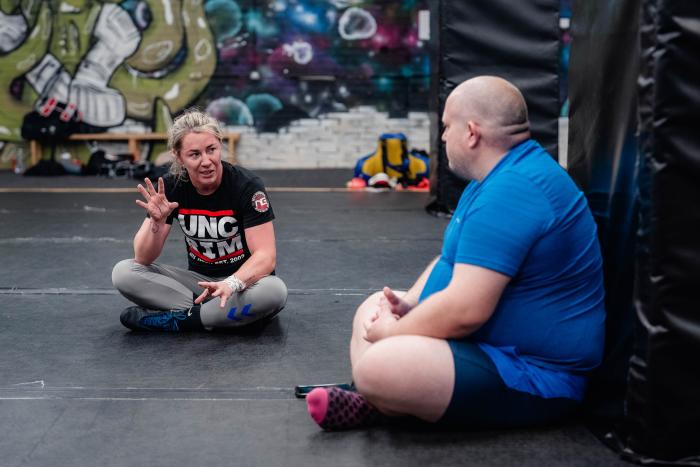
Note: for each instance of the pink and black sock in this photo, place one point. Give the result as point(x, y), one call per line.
point(337, 409)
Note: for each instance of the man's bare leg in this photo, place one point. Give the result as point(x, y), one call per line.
point(402, 375)
point(358, 345)
point(407, 375)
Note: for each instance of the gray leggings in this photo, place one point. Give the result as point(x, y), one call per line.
point(164, 287)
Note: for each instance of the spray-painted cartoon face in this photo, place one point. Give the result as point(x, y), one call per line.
point(200, 155)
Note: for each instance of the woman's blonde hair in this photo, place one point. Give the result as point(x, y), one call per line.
point(191, 121)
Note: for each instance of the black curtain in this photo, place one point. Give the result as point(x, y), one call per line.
point(518, 41)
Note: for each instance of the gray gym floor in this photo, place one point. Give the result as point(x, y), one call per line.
point(78, 389)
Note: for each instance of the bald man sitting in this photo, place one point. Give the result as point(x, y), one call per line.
point(503, 327)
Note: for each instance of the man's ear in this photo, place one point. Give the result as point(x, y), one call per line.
point(473, 134)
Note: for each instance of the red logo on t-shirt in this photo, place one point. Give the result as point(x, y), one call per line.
point(260, 202)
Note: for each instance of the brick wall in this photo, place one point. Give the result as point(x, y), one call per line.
point(336, 140)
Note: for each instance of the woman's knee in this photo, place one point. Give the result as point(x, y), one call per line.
point(121, 273)
point(127, 276)
point(279, 292)
point(272, 291)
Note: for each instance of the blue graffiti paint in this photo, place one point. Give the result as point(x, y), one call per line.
point(225, 18)
point(230, 111)
point(368, 53)
point(262, 26)
point(139, 11)
point(306, 57)
point(262, 105)
point(310, 17)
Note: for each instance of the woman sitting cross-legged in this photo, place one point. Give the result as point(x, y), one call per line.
point(226, 217)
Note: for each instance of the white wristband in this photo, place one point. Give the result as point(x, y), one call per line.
point(235, 283)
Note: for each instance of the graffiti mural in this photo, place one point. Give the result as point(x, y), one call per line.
point(257, 63)
point(286, 59)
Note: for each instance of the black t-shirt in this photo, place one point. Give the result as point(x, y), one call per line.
point(214, 225)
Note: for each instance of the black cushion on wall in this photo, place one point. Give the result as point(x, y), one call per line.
point(516, 41)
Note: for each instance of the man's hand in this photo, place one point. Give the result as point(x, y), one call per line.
point(157, 205)
point(380, 326)
point(394, 303)
point(215, 289)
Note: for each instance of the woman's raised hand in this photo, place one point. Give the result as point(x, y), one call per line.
point(157, 205)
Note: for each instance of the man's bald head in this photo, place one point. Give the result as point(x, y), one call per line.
point(496, 105)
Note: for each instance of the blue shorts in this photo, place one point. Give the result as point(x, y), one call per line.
point(482, 400)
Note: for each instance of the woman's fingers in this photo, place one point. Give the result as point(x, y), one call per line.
point(221, 293)
point(208, 288)
point(151, 204)
point(152, 211)
point(143, 191)
point(156, 204)
point(215, 290)
point(201, 297)
point(149, 186)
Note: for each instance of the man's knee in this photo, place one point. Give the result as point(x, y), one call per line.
point(410, 375)
point(373, 374)
point(366, 379)
point(373, 300)
point(367, 307)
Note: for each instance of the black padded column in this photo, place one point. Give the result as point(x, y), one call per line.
point(602, 159)
point(663, 400)
point(517, 41)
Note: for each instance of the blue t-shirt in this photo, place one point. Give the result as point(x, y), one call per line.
point(528, 220)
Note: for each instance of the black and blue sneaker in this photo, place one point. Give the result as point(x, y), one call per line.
point(141, 319)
